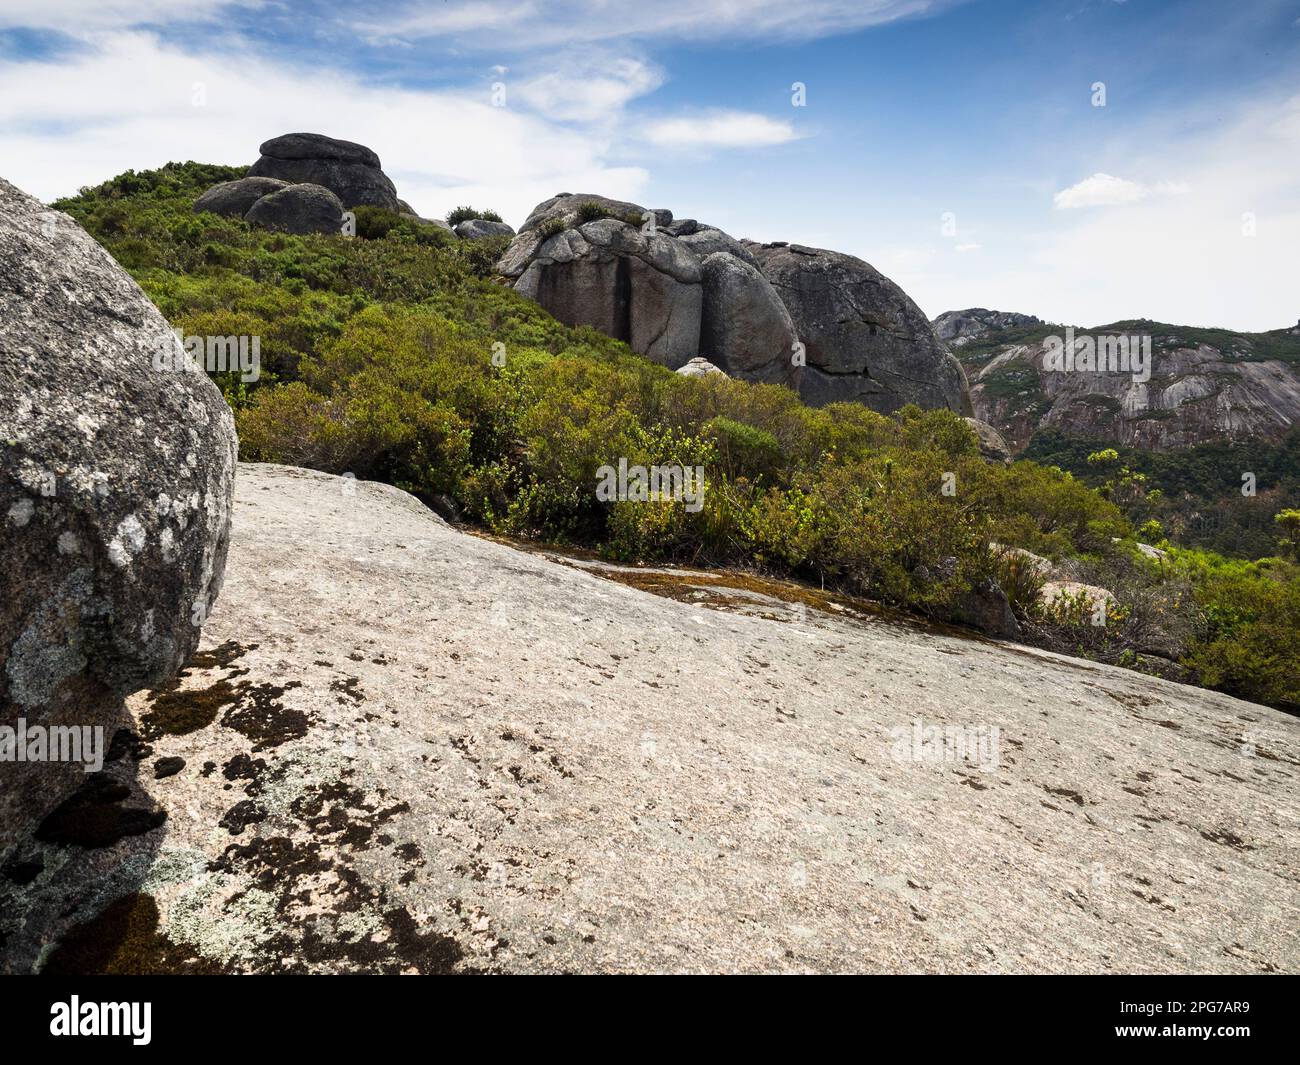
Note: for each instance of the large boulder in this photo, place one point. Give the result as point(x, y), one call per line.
point(478, 228)
point(298, 209)
point(705, 240)
point(744, 327)
point(233, 198)
point(351, 171)
point(865, 339)
point(117, 464)
point(642, 288)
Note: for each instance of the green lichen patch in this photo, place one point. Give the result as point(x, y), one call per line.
point(124, 940)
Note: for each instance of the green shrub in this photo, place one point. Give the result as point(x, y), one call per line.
point(457, 215)
point(590, 211)
point(551, 227)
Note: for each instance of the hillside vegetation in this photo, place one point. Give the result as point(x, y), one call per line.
point(396, 357)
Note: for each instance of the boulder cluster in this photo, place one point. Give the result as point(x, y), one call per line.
point(304, 182)
point(826, 324)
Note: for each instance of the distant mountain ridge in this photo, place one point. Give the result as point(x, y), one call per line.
point(1205, 385)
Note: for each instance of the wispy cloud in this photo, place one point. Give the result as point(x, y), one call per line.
point(592, 88)
point(546, 22)
point(87, 16)
point(719, 129)
point(423, 21)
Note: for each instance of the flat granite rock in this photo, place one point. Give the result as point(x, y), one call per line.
point(420, 750)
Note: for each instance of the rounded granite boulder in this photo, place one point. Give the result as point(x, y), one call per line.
point(351, 171)
point(117, 464)
point(232, 199)
point(298, 209)
point(866, 340)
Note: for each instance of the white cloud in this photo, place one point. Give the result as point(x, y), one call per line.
point(1103, 190)
point(718, 129)
point(547, 22)
point(424, 21)
point(127, 104)
point(963, 248)
point(586, 88)
point(86, 16)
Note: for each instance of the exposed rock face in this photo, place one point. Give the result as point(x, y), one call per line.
point(745, 327)
point(642, 288)
point(116, 480)
point(700, 367)
point(865, 339)
point(1196, 392)
point(234, 198)
point(961, 327)
point(478, 228)
point(351, 171)
point(298, 209)
point(992, 445)
point(475, 758)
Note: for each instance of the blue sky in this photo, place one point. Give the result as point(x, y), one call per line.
point(954, 145)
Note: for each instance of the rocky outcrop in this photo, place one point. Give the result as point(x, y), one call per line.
point(298, 209)
point(745, 328)
point(635, 286)
point(234, 198)
point(1238, 387)
point(1075, 600)
point(866, 340)
point(961, 327)
point(993, 446)
point(350, 171)
point(758, 312)
point(571, 209)
point(116, 476)
point(478, 228)
point(481, 759)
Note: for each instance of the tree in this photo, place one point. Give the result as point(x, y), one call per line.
point(1289, 522)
